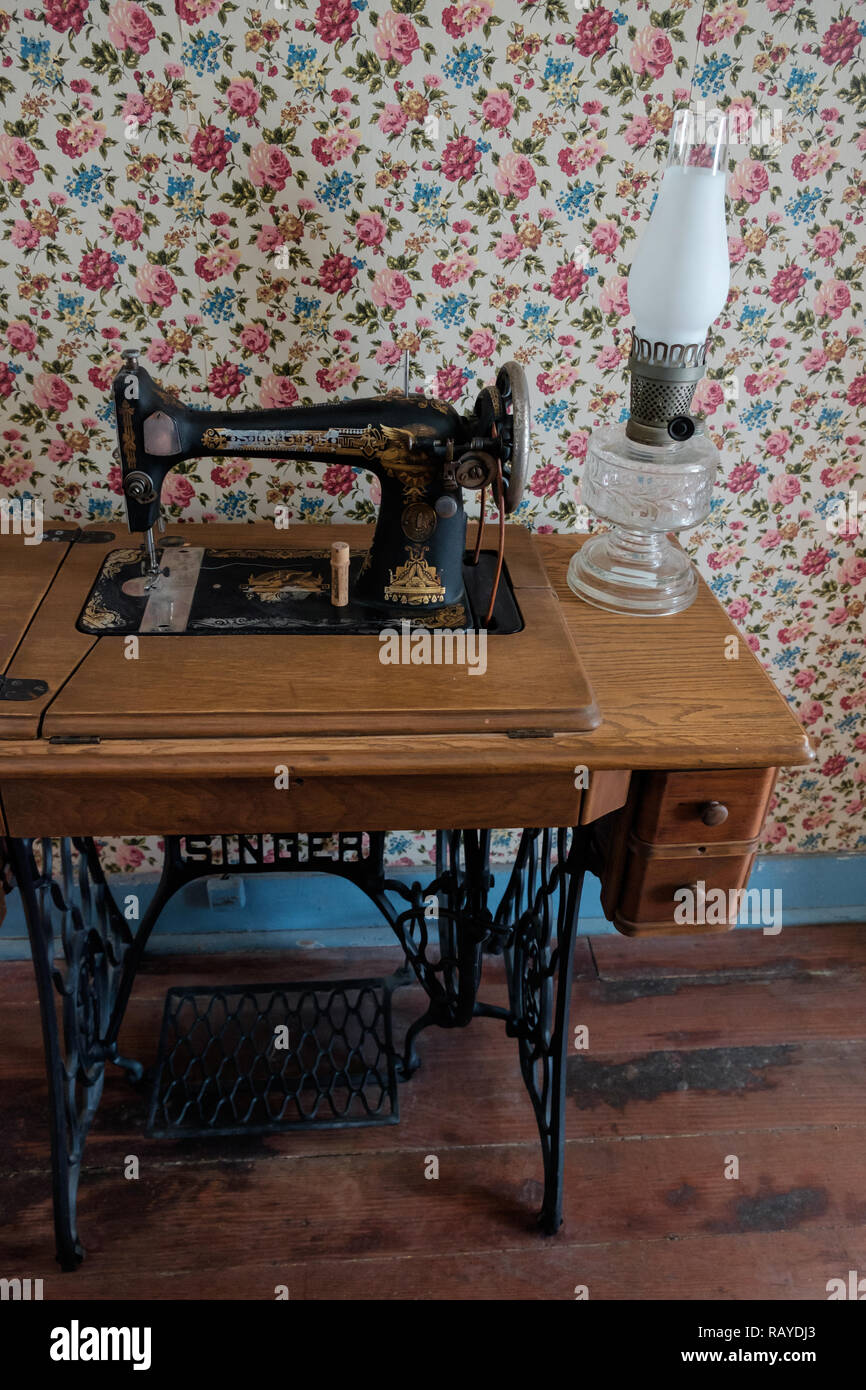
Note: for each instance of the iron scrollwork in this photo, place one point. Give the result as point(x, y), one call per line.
point(79, 942)
point(537, 923)
point(85, 952)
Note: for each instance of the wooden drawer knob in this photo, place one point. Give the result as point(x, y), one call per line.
point(714, 813)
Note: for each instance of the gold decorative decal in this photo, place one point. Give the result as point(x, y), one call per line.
point(127, 435)
point(365, 442)
point(414, 478)
point(277, 584)
point(97, 614)
point(454, 616)
point(277, 553)
point(213, 439)
point(416, 582)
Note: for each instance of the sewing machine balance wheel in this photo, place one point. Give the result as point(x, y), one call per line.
point(514, 394)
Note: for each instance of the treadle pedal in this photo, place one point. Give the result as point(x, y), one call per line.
point(267, 1058)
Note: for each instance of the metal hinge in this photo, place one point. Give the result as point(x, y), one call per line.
point(529, 733)
point(75, 738)
point(21, 688)
point(80, 537)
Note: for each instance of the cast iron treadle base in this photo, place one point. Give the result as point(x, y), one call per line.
point(274, 1057)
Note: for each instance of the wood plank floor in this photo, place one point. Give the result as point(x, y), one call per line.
point(743, 1045)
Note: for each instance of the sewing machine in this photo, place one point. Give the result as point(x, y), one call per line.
point(424, 454)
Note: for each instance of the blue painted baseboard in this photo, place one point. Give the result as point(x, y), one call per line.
point(318, 910)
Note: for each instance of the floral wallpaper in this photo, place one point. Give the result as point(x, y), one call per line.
point(277, 201)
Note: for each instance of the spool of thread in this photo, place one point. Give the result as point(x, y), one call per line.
point(339, 574)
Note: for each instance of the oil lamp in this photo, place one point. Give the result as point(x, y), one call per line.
point(655, 474)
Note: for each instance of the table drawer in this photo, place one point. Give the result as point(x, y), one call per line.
point(702, 808)
point(647, 905)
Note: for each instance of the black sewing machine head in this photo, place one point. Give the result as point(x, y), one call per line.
point(422, 451)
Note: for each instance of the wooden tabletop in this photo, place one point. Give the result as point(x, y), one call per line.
point(668, 691)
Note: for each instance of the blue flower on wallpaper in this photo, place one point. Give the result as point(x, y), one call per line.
point(828, 424)
point(535, 321)
point(68, 306)
point(558, 84)
point(202, 52)
point(34, 50)
point(801, 94)
point(851, 721)
point(787, 658)
point(754, 417)
point(752, 324)
point(311, 505)
point(72, 313)
point(575, 202)
point(220, 304)
point(43, 69)
point(802, 208)
point(86, 185)
point(233, 505)
point(557, 68)
point(712, 76)
point(181, 197)
point(462, 67)
point(552, 415)
point(720, 585)
point(99, 507)
point(427, 198)
point(306, 308)
point(399, 844)
point(826, 504)
point(299, 57)
point(335, 191)
point(451, 310)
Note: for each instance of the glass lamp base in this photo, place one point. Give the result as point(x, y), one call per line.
point(635, 572)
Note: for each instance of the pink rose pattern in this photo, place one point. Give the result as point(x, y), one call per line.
point(276, 203)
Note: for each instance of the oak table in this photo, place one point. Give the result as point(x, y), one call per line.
point(644, 750)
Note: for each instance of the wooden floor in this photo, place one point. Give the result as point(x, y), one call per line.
point(742, 1045)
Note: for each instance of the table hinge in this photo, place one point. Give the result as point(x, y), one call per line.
point(80, 537)
point(21, 688)
point(529, 733)
point(75, 738)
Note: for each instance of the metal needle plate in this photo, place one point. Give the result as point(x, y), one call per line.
point(170, 597)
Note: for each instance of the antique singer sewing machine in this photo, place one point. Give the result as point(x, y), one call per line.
point(183, 743)
point(422, 451)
